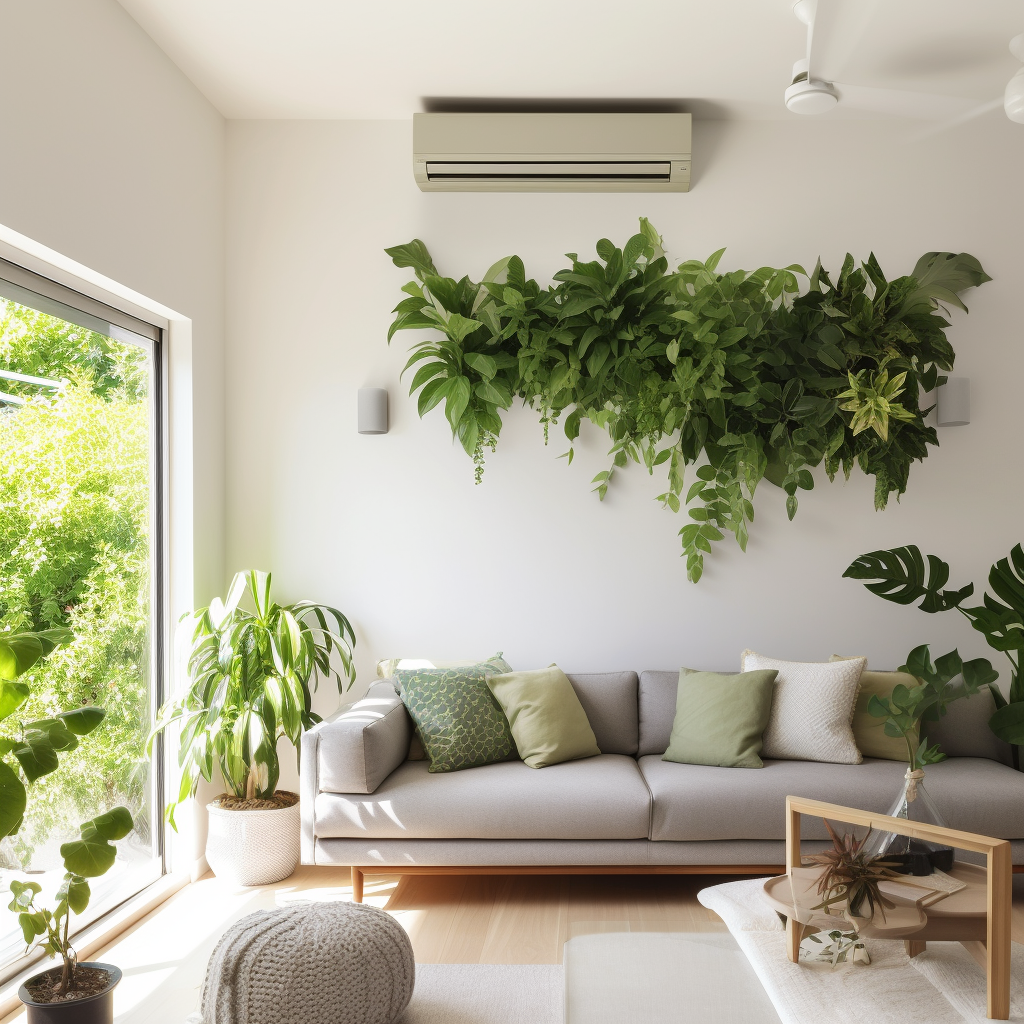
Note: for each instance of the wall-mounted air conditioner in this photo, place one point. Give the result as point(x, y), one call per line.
point(552, 152)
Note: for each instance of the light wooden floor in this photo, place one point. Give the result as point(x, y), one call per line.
point(450, 919)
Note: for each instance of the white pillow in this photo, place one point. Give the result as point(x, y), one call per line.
point(812, 709)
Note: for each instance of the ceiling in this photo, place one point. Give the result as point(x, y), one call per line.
point(724, 58)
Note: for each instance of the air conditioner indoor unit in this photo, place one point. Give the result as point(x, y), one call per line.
point(552, 152)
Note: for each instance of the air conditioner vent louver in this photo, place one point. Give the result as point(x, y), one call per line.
point(552, 152)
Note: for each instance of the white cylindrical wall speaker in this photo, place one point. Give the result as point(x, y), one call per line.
point(373, 411)
point(953, 402)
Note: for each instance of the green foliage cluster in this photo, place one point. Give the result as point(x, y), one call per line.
point(34, 747)
point(902, 575)
point(74, 552)
point(41, 345)
point(250, 674)
point(745, 369)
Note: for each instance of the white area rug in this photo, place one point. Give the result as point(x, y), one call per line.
point(486, 994)
point(479, 994)
point(943, 985)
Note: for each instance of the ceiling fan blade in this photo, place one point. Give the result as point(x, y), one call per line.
point(835, 33)
point(953, 122)
point(920, 106)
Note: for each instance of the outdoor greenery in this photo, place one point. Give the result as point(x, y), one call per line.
point(902, 575)
point(250, 674)
point(74, 552)
point(763, 377)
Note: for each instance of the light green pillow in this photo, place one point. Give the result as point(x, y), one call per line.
point(547, 719)
point(869, 731)
point(720, 718)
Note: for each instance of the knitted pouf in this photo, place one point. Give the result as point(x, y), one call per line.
point(316, 963)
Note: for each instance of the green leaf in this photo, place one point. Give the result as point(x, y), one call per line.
point(942, 276)
point(459, 391)
point(413, 254)
point(483, 364)
point(93, 855)
point(1008, 723)
point(75, 891)
point(12, 695)
point(12, 800)
point(82, 721)
point(458, 327)
point(901, 577)
point(37, 758)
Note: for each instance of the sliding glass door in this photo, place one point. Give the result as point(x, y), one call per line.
point(80, 546)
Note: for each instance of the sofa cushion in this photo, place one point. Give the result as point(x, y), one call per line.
point(720, 718)
point(610, 701)
point(812, 708)
point(546, 717)
point(963, 731)
point(704, 803)
point(457, 719)
point(364, 743)
point(656, 707)
point(602, 797)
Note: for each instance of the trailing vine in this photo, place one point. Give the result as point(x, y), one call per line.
point(764, 378)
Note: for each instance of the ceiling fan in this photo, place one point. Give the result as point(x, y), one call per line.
point(833, 31)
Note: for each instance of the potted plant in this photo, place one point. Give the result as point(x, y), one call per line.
point(851, 876)
point(250, 673)
point(75, 993)
point(78, 993)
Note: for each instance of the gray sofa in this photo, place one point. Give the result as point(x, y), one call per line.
point(365, 804)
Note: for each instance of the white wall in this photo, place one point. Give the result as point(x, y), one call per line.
point(113, 158)
point(392, 528)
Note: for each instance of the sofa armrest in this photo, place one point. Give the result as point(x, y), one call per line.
point(352, 751)
point(358, 748)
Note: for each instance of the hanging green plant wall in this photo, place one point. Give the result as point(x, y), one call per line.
point(764, 377)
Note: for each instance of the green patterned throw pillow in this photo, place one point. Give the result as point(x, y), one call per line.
point(458, 720)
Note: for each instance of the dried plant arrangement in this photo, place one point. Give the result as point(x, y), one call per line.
point(851, 876)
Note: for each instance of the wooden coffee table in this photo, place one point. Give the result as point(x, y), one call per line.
point(977, 916)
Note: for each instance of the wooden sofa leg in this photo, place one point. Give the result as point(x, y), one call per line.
point(357, 885)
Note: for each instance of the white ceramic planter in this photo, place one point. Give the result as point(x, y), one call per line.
point(253, 847)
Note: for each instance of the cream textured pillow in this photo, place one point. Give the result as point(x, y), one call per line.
point(812, 709)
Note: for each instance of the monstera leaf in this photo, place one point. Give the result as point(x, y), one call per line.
point(901, 576)
point(941, 276)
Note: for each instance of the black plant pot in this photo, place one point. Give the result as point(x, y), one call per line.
point(97, 1009)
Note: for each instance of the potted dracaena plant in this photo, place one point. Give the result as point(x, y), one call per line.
point(250, 676)
point(75, 993)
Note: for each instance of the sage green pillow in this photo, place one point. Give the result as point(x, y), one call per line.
point(720, 718)
point(458, 721)
point(546, 717)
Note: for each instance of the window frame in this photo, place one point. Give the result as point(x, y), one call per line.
point(156, 333)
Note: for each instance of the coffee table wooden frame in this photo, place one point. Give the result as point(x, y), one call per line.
point(996, 957)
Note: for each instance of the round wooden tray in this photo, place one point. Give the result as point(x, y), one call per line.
point(961, 915)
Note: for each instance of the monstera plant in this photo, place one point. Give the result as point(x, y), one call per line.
point(904, 576)
point(762, 377)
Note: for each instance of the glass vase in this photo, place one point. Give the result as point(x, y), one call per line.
point(912, 856)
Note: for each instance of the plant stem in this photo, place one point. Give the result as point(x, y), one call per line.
point(912, 751)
